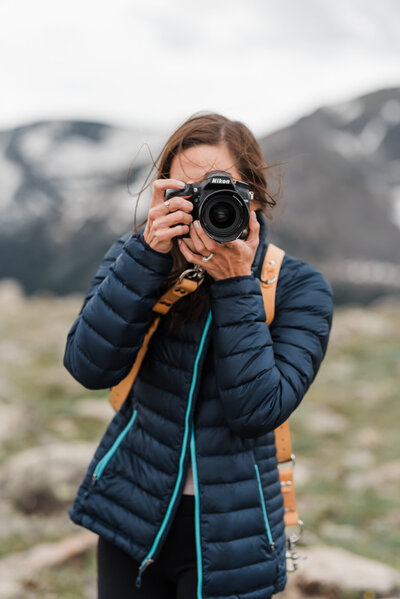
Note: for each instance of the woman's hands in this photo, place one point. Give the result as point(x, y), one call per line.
point(160, 227)
point(230, 259)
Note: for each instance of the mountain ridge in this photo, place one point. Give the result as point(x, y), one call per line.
point(65, 196)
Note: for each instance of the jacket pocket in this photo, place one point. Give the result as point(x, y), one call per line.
point(102, 463)
point(264, 510)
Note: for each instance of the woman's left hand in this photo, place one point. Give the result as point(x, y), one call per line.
point(230, 259)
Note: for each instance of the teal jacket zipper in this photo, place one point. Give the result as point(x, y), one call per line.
point(267, 526)
point(149, 557)
point(108, 455)
point(196, 515)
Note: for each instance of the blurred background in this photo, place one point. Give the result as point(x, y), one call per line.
point(90, 91)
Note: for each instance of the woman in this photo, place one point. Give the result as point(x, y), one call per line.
point(175, 499)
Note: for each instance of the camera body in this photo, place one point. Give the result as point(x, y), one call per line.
point(221, 206)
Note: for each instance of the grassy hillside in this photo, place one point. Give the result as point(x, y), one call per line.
point(345, 432)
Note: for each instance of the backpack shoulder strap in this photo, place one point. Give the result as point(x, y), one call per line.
point(269, 278)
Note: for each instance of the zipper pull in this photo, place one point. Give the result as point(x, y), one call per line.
point(91, 484)
point(272, 546)
point(141, 570)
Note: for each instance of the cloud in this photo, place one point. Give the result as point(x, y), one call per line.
point(151, 64)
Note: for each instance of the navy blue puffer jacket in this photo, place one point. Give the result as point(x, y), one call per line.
point(212, 390)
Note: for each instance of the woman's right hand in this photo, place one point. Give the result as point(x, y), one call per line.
point(160, 227)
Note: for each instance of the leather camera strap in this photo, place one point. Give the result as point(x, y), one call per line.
point(182, 287)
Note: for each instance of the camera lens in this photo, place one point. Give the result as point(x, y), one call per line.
point(222, 214)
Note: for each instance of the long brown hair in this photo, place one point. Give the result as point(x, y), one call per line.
point(211, 129)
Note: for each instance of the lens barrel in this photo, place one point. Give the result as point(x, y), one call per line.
point(223, 215)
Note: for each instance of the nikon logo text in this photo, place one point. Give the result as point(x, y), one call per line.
point(218, 180)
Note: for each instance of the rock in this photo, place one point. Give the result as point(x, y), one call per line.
point(45, 479)
point(386, 477)
point(11, 293)
point(32, 528)
point(368, 437)
point(358, 458)
point(325, 421)
point(17, 570)
point(334, 572)
point(12, 421)
point(356, 320)
point(341, 532)
point(304, 471)
point(99, 408)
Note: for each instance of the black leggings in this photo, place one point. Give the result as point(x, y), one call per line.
point(173, 575)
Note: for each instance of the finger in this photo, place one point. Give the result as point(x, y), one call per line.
point(231, 245)
point(160, 185)
point(173, 218)
point(189, 255)
point(175, 204)
point(197, 242)
point(254, 227)
point(190, 243)
point(179, 203)
point(209, 243)
point(170, 232)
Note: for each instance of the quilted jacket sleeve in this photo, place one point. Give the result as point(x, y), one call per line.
point(263, 372)
point(109, 330)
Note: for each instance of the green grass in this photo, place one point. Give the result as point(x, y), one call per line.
point(68, 582)
point(357, 384)
point(358, 381)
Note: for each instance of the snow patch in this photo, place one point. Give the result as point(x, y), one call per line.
point(36, 206)
point(76, 156)
point(344, 143)
point(348, 111)
point(366, 143)
point(37, 143)
point(390, 112)
point(395, 194)
point(372, 135)
point(11, 179)
point(365, 272)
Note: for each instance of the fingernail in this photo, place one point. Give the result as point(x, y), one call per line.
point(181, 184)
point(196, 224)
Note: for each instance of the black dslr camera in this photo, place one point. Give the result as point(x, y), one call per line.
point(221, 206)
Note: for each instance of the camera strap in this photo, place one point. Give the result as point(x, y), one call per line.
point(188, 282)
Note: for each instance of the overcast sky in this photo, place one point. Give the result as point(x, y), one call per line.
point(149, 64)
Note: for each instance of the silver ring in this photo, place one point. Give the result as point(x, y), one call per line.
point(166, 203)
point(206, 259)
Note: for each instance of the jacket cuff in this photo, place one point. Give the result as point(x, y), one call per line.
point(234, 285)
point(237, 300)
point(159, 258)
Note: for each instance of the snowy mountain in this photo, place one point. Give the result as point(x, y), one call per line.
point(342, 189)
point(64, 196)
point(65, 199)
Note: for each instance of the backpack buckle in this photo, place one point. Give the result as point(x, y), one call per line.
point(292, 557)
point(268, 270)
point(197, 273)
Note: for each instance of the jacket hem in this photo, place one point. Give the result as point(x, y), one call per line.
point(117, 537)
